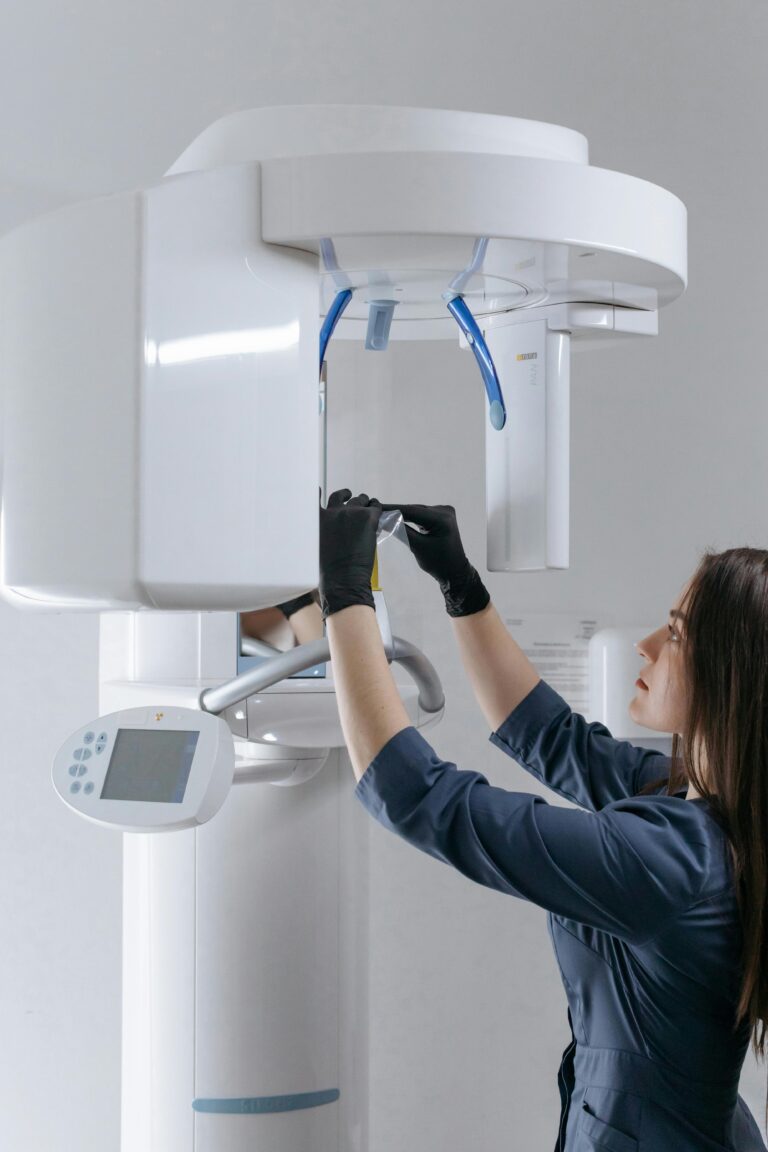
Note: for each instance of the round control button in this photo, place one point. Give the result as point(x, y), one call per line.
point(89, 738)
point(79, 753)
point(81, 769)
point(74, 768)
point(100, 748)
point(88, 788)
point(102, 737)
point(74, 787)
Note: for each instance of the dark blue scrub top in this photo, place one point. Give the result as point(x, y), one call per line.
point(641, 912)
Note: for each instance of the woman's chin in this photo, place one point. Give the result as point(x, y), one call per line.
point(636, 709)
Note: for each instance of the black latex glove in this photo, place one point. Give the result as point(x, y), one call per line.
point(440, 552)
point(348, 530)
point(288, 607)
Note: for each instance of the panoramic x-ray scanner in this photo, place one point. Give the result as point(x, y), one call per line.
point(164, 382)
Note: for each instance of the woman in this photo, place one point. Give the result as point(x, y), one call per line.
point(655, 896)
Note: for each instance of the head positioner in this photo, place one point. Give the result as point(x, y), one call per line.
point(183, 322)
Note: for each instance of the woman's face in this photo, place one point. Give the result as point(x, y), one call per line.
point(661, 705)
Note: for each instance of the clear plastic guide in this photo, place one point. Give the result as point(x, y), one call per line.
point(391, 527)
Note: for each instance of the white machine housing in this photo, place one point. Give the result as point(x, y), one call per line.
point(160, 377)
point(159, 348)
point(233, 930)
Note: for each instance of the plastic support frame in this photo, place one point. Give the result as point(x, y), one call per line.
point(459, 309)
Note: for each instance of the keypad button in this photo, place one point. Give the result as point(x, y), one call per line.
point(79, 753)
point(73, 769)
point(89, 738)
point(100, 748)
point(102, 737)
point(81, 770)
point(88, 788)
point(74, 787)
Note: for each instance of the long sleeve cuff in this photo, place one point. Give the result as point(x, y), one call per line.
point(523, 727)
point(400, 773)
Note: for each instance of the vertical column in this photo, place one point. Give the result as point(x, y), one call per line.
point(528, 461)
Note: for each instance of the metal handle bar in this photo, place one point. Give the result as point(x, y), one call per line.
point(276, 668)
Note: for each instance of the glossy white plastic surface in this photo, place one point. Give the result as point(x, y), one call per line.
point(70, 362)
point(527, 461)
point(231, 930)
point(308, 715)
point(229, 483)
point(164, 430)
point(574, 233)
point(82, 765)
point(231, 987)
point(395, 199)
point(322, 129)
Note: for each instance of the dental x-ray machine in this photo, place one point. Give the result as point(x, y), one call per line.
point(162, 355)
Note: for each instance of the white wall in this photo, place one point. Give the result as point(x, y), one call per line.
point(466, 1012)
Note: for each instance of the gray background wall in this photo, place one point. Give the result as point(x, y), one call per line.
point(466, 1011)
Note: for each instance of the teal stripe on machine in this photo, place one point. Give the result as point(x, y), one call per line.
point(249, 1105)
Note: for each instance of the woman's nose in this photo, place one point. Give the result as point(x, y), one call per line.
point(644, 646)
point(651, 644)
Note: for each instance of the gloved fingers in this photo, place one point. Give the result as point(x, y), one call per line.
point(339, 497)
point(414, 533)
point(426, 515)
point(365, 501)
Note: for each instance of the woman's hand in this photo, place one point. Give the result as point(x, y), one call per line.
point(440, 552)
point(368, 700)
point(348, 529)
point(438, 548)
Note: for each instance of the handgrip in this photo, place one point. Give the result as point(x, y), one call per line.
point(277, 668)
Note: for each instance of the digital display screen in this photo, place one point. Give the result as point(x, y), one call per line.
point(150, 766)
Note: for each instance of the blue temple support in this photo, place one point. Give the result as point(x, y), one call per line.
point(466, 321)
point(332, 319)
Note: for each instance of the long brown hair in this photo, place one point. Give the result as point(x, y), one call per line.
point(724, 656)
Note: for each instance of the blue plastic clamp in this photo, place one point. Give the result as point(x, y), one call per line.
point(334, 315)
point(459, 309)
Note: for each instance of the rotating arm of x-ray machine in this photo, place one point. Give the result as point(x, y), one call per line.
point(217, 700)
point(250, 646)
